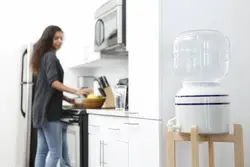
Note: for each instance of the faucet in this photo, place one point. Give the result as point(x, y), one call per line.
point(95, 79)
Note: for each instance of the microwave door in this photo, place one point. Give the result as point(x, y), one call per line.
point(112, 39)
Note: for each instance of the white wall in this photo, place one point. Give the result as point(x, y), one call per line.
point(232, 19)
point(113, 74)
point(10, 39)
point(21, 22)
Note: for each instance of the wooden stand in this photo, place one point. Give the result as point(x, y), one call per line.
point(195, 138)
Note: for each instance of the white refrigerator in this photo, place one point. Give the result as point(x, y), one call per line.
point(26, 137)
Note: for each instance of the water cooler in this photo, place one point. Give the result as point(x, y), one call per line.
point(202, 106)
point(201, 60)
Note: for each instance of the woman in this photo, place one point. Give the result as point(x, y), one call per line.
point(47, 106)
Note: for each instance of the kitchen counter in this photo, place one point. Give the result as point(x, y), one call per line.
point(104, 112)
point(116, 113)
point(109, 112)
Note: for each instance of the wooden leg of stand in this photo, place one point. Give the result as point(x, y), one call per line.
point(171, 155)
point(211, 153)
point(195, 147)
point(238, 146)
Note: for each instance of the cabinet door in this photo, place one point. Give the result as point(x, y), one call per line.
point(120, 151)
point(74, 145)
point(136, 44)
point(143, 143)
point(94, 151)
point(118, 145)
point(95, 141)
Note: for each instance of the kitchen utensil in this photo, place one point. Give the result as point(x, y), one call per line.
point(102, 82)
point(102, 92)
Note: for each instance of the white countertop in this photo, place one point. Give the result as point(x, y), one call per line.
point(116, 113)
point(110, 112)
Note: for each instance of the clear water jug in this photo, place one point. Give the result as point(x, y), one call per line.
point(201, 55)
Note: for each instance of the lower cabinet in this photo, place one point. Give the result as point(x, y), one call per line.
point(95, 151)
point(118, 154)
point(123, 142)
point(144, 143)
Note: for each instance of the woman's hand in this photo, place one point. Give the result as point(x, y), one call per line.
point(69, 100)
point(84, 92)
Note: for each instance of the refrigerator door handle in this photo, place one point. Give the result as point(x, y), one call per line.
point(22, 83)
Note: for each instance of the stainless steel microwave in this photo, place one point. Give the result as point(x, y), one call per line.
point(110, 27)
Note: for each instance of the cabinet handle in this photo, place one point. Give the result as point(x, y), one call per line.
point(96, 126)
point(114, 129)
point(134, 124)
point(131, 112)
point(122, 141)
point(103, 163)
point(100, 159)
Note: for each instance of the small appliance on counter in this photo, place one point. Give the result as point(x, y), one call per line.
point(121, 95)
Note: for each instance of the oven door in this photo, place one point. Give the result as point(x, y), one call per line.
point(73, 137)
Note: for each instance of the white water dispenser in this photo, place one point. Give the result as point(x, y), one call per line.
point(201, 60)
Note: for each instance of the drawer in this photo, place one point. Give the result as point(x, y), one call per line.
point(94, 120)
point(118, 130)
point(94, 125)
point(94, 129)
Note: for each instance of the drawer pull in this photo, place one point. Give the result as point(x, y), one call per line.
point(134, 124)
point(131, 112)
point(100, 159)
point(115, 129)
point(95, 126)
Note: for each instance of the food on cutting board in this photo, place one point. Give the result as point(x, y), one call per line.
point(92, 96)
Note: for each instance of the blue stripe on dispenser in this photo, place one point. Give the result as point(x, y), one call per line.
point(203, 96)
point(200, 104)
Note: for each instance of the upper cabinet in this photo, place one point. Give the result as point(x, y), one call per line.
point(143, 47)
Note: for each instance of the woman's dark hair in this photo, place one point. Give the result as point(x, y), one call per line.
point(43, 45)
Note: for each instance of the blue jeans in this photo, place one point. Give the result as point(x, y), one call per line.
point(52, 139)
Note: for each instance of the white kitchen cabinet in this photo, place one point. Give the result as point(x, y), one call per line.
point(94, 150)
point(74, 145)
point(143, 143)
point(108, 142)
point(121, 140)
point(117, 154)
point(95, 141)
point(118, 144)
point(143, 47)
point(124, 142)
